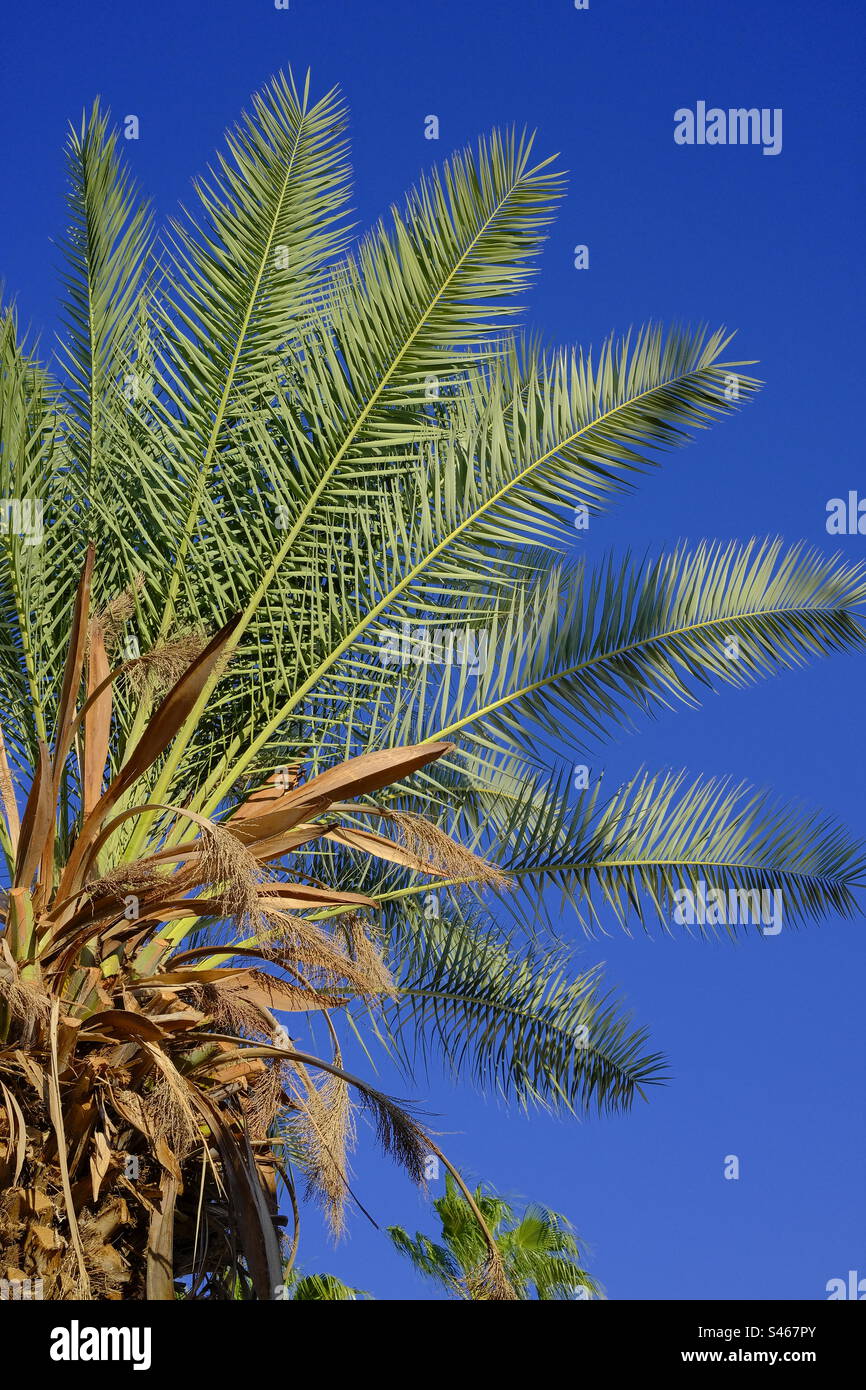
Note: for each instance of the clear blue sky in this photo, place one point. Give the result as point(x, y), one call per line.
point(765, 1038)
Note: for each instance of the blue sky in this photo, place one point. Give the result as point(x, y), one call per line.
point(765, 1038)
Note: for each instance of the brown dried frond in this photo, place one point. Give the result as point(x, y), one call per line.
point(327, 1132)
point(439, 854)
point(261, 790)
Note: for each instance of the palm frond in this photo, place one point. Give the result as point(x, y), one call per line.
point(106, 252)
point(517, 1021)
point(590, 647)
point(632, 853)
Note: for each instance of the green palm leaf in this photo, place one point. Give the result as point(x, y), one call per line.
point(659, 833)
point(518, 1021)
point(588, 647)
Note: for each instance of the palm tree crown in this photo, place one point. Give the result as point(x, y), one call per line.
point(323, 494)
point(539, 1250)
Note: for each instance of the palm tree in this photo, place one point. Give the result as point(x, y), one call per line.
point(349, 462)
point(540, 1253)
point(321, 1288)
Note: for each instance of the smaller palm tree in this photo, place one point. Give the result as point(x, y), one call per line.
point(320, 1288)
point(539, 1250)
